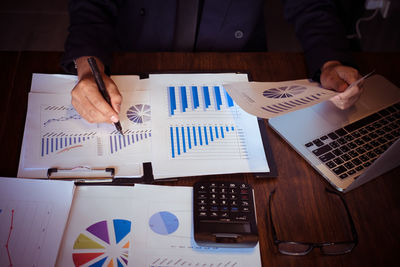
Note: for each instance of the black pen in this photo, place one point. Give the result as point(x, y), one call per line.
point(102, 87)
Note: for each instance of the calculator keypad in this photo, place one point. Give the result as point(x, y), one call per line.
point(220, 201)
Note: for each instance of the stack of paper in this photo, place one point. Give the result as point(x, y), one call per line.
point(184, 124)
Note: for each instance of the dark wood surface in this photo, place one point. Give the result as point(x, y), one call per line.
point(303, 211)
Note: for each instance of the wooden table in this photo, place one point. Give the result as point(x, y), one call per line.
point(302, 209)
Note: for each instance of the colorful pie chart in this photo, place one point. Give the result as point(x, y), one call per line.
point(104, 243)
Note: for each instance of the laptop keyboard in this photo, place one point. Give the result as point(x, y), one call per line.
point(349, 150)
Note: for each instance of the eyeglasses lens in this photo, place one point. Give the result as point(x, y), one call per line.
point(338, 248)
point(293, 248)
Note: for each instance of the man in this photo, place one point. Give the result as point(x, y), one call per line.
point(100, 27)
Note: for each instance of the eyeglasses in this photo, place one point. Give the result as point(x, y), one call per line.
point(302, 248)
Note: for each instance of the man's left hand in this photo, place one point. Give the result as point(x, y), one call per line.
point(338, 77)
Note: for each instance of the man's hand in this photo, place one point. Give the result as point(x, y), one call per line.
point(87, 99)
point(338, 77)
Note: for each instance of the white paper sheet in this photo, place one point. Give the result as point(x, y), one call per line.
point(33, 216)
point(144, 225)
point(199, 130)
point(271, 99)
point(56, 136)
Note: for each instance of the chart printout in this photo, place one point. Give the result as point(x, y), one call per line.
point(144, 225)
point(33, 215)
point(57, 136)
point(200, 129)
point(270, 99)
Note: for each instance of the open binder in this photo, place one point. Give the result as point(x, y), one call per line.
point(176, 125)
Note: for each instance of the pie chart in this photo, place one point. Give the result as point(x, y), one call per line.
point(163, 223)
point(104, 243)
point(284, 91)
point(139, 113)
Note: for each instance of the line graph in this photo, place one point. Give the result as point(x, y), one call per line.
point(23, 230)
point(8, 239)
point(72, 117)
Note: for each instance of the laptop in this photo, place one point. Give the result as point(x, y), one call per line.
point(348, 147)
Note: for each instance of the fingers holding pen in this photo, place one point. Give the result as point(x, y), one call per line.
point(87, 98)
point(90, 104)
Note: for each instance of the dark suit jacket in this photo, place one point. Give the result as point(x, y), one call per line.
point(97, 28)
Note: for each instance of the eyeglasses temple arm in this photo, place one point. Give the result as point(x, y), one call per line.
point(352, 225)
point(275, 238)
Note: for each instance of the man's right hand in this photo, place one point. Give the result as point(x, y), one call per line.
point(87, 99)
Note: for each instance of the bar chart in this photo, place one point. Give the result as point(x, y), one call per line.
point(207, 141)
point(203, 100)
point(60, 142)
point(119, 142)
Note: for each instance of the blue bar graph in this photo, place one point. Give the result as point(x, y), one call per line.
point(119, 142)
point(57, 143)
point(172, 141)
point(206, 94)
point(184, 99)
point(194, 136)
point(218, 101)
point(189, 141)
point(172, 100)
point(183, 140)
point(177, 141)
point(186, 138)
point(205, 135)
point(200, 139)
point(195, 97)
point(229, 99)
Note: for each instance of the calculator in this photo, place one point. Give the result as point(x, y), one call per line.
point(224, 214)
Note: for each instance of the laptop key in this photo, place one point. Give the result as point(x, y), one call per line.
point(338, 161)
point(334, 144)
point(346, 157)
point(326, 157)
point(318, 142)
point(351, 172)
point(341, 132)
point(333, 136)
point(349, 165)
point(309, 144)
point(323, 137)
point(337, 152)
point(339, 170)
point(359, 168)
point(330, 164)
point(321, 150)
point(356, 162)
point(345, 148)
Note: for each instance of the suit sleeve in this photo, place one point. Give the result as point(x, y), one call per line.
point(91, 31)
point(320, 32)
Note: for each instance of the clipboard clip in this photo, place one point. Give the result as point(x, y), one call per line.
point(87, 174)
